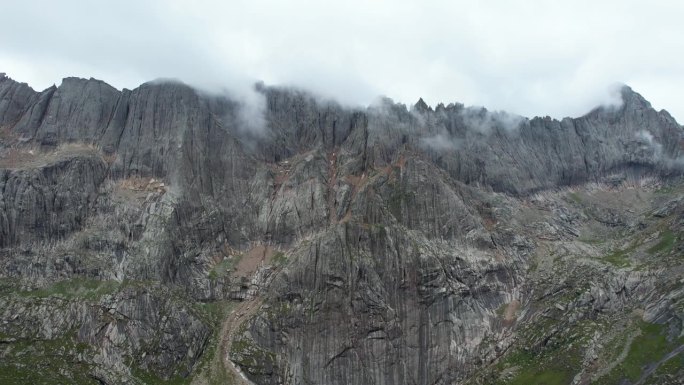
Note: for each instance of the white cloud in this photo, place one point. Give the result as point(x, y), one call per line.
point(440, 143)
point(529, 58)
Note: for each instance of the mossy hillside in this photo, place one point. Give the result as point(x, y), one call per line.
point(575, 197)
point(70, 359)
point(76, 288)
point(223, 268)
point(57, 361)
point(73, 288)
point(671, 369)
point(643, 244)
point(558, 360)
point(150, 378)
point(279, 258)
point(554, 361)
point(665, 244)
point(620, 257)
point(251, 358)
point(211, 369)
point(648, 348)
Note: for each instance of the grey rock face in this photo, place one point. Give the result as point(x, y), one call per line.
point(517, 155)
point(118, 329)
point(72, 116)
point(408, 246)
point(47, 203)
point(148, 126)
point(15, 98)
point(381, 310)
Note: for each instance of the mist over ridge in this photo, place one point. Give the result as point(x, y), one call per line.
point(276, 122)
point(549, 59)
point(170, 232)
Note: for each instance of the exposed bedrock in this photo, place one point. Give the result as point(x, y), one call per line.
point(386, 245)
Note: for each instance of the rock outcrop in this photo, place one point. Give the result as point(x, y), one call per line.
point(48, 201)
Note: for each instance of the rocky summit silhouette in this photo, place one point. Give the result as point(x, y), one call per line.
point(167, 234)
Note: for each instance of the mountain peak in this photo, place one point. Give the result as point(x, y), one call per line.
point(632, 99)
point(421, 106)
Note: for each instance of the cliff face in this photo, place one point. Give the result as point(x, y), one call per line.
point(160, 126)
point(377, 246)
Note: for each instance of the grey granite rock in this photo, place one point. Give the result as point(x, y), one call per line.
point(415, 246)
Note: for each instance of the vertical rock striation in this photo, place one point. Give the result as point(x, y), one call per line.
point(412, 245)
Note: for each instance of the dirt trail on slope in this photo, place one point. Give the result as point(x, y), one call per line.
point(237, 316)
point(242, 313)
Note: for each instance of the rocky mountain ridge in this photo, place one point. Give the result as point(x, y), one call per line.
point(386, 245)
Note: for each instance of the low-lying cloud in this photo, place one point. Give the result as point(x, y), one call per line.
point(648, 140)
point(484, 121)
point(441, 143)
point(530, 59)
point(655, 150)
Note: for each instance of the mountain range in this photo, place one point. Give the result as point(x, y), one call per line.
point(171, 235)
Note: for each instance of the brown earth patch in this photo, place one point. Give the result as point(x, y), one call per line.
point(511, 309)
point(253, 259)
point(33, 157)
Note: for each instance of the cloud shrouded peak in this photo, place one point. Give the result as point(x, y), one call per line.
point(542, 59)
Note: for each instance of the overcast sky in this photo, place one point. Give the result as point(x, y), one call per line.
point(557, 58)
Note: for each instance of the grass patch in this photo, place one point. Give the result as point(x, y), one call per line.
point(64, 360)
point(8, 285)
point(150, 378)
point(210, 364)
point(224, 267)
point(535, 369)
point(519, 358)
point(648, 348)
point(673, 366)
point(279, 258)
point(553, 362)
point(666, 189)
point(666, 243)
point(214, 312)
point(210, 369)
point(575, 197)
point(534, 266)
point(545, 377)
point(45, 362)
point(251, 358)
point(617, 258)
point(620, 257)
point(501, 310)
point(50, 372)
point(74, 288)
